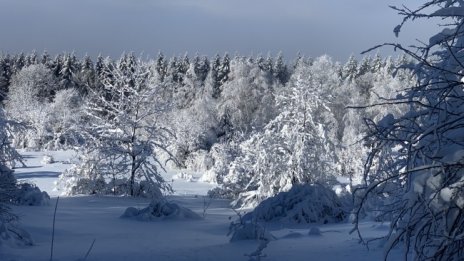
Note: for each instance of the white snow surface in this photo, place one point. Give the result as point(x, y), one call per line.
point(81, 219)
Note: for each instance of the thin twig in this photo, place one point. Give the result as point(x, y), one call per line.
point(90, 249)
point(53, 230)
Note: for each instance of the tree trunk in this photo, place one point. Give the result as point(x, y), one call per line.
point(132, 177)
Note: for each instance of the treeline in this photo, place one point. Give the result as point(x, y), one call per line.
point(255, 125)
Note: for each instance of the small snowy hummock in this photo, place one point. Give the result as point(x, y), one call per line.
point(160, 209)
point(184, 176)
point(314, 231)
point(47, 159)
point(301, 204)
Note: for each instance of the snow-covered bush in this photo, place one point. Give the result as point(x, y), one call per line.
point(11, 193)
point(306, 203)
point(160, 209)
point(314, 231)
point(30, 195)
point(200, 161)
point(64, 120)
point(7, 193)
point(84, 179)
point(221, 154)
point(52, 115)
point(184, 176)
point(47, 159)
point(247, 229)
point(27, 98)
point(195, 133)
point(8, 156)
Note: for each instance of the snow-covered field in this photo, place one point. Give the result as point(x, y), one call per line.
point(82, 219)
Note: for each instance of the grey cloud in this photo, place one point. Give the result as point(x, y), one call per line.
point(313, 27)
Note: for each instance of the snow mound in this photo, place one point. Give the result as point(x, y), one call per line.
point(292, 235)
point(14, 236)
point(249, 231)
point(47, 159)
point(30, 195)
point(160, 210)
point(307, 203)
point(314, 231)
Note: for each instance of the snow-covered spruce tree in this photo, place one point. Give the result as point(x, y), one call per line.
point(124, 133)
point(416, 162)
point(5, 75)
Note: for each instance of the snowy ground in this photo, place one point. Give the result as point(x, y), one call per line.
point(82, 219)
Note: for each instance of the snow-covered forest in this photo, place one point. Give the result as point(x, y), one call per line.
point(252, 157)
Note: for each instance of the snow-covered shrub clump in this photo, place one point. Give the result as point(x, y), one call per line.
point(249, 231)
point(160, 210)
point(30, 195)
point(314, 231)
point(307, 203)
point(184, 176)
point(199, 161)
point(7, 192)
point(47, 159)
point(209, 176)
point(53, 114)
point(221, 156)
point(83, 179)
point(245, 229)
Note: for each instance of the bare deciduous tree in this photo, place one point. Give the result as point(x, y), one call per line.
point(416, 166)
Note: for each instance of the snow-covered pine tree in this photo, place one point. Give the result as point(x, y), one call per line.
point(161, 67)
point(18, 62)
point(45, 59)
point(5, 76)
point(350, 69)
point(213, 84)
point(99, 66)
point(69, 67)
point(201, 68)
point(224, 70)
point(280, 69)
point(31, 59)
point(364, 66)
point(86, 77)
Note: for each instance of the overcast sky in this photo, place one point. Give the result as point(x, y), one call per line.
point(313, 27)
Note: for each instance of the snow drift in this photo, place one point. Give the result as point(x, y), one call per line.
point(160, 209)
